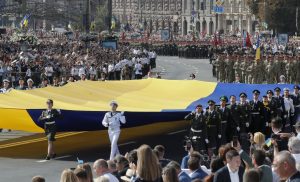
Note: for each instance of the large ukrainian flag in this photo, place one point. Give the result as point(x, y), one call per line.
point(84, 103)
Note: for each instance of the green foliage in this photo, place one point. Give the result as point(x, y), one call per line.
point(280, 15)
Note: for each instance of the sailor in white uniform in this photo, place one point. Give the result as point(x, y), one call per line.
point(113, 120)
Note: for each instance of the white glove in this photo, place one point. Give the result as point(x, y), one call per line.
point(48, 116)
point(105, 125)
point(267, 124)
point(206, 141)
point(219, 136)
point(238, 128)
point(247, 125)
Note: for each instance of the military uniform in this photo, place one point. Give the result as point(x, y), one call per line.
point(225, 122)
point(113, 120)
point(245, 121)
point(198, 131)
point(213, 122)
point(49, 117)
point(257, 124)
point(266, 115)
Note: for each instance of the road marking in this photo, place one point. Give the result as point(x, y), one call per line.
point(173, 133)
point(41, 161)
point(56, 158)
point(37, 140)
point(128, 143)
point(62, 157)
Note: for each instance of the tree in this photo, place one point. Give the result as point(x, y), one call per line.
point(280, 15)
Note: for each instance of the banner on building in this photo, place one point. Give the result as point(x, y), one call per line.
point(219, 8)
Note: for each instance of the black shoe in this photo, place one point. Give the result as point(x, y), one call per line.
point(48, 158)
point(53, 156)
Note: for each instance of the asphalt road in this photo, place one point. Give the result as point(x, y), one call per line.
point(21, 159)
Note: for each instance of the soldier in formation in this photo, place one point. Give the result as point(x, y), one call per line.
point(269, 69)
point(217, 125)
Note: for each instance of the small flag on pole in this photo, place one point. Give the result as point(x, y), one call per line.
point(257, 56)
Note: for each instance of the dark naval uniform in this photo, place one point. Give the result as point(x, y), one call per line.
point(257, 124)
point(213, 122)
point(49, 117)
point(226, 128)
point(198, 132)
point(245, 121)
point(234, 119)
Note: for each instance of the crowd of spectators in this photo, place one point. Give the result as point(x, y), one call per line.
point(264, 163)
point(57, 61)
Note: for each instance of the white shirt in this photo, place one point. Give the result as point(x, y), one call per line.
point(288, 104)
point(110, 68)
point(110, 177)
point(4, 90)
point(113, 120)
point(234, 176)
point(138, 69)
point(92, 71)
point(81, 71)
point(49, 70)
point(297, 158)
point(74, 71)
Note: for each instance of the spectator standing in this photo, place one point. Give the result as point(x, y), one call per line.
point(232, 171)
point(169, 174)
point(182, 176)
point(252, 175)
point(148, 169)
point(294, 148)
point(68, 176)
point(195, 168)
point(101, 169)
point(38, 179)
point(161, 153)
point(285, 167)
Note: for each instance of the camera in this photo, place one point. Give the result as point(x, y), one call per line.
point(187, 143)
point(275, 137)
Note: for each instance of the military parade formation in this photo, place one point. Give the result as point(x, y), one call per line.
point(218, 124)
point(245, 69)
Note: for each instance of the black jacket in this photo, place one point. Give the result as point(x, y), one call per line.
point(222, 175)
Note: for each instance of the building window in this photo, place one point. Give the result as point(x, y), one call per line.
point(211, 4)
point(203, 5)
point(185, 4)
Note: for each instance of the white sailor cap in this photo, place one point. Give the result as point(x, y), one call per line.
point(113, 103)
point(6, 80)
point(30, 80)
point(282, 76)
point(286, 89)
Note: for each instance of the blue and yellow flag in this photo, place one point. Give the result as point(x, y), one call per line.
point(24, 22)
point(257, 56)
point(113, 23)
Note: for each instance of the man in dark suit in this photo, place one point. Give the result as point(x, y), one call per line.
point(232, 172)
point(284, 165)
point(282, 142)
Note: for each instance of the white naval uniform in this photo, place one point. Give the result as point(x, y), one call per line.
point(113, 122)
